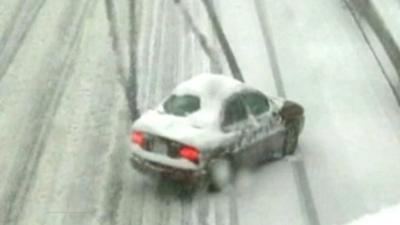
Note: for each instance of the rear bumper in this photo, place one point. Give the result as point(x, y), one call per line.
point(153, 164)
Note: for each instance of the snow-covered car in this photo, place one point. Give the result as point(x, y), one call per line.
point(210, 124)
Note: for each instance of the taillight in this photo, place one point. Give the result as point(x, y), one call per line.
point(139, 138)
point(189, 153)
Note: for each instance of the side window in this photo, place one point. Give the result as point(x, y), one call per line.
point(235, 111)
point(257, 103)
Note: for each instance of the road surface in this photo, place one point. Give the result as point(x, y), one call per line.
point(65, 121)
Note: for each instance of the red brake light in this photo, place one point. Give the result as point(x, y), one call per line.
point(189, 153)
point(138, 138)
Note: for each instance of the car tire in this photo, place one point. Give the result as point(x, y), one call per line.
point(220, 174)
point(291, 137)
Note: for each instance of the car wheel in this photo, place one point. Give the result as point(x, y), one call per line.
point(291, 138)
point(220, 174)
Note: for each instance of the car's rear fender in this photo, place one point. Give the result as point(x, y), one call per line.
point(291, 111)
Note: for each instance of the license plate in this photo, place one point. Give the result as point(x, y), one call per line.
point(160, 147)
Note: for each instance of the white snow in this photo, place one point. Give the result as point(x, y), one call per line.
point(349, 144)
point(238, 17)
point(212, 88)
point(388, 11)
point(325, 65)
point(201, 128)
point(7, 14)
point(388, 216)
point(178, 128)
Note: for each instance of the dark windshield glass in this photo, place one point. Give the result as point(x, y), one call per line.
point(182, 105)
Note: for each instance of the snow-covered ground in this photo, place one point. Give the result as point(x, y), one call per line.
point(59, 102)
point(389, 11)
point(64, 120)
point(350, 144)
point(388, 216)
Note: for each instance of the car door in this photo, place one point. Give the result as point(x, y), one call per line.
point(264, 142)
point(236, 122)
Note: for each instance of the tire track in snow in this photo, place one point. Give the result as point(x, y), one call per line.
point(114, 185)
point(221, 208)
point(144, 39)
point(297, 164)
point(125, 204)
point(300, 175)
point(203, 211)
point(162, 200)
point(116, 42)
point(94, 196)
point(30, 152)
point(16, 32)
point(114, 208)
point(202, 39)
point(159, 60)
point(187, 203)
point(121, 203)
point(99, 136)
point(152, 48)
point(223, 41)
point(266, 32)
point(233, 207)
point(364, 34)
point(225, 208)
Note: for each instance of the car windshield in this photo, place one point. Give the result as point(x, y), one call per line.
point(182, 105)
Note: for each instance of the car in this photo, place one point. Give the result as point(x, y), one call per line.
point(210, 125)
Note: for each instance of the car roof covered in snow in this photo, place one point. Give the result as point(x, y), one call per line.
point(207, 86)
point(200, 128)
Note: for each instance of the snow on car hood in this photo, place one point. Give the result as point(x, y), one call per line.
point(194, 130)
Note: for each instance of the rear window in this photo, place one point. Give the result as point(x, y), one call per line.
point(182, 105)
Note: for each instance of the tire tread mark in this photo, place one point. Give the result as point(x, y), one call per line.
point(392, 87)
point(203, 210)
point(233, 207)
point(111, 202)
point(226, 48)
point(113, 187)
point(16, 33)
point(299, 171)
point(116, 42)
point(306, 198)
point(266, 32)
point(208, 50)
point(187, 208)
point(19, 186)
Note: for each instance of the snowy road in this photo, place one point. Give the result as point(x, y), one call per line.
point(64, 119)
